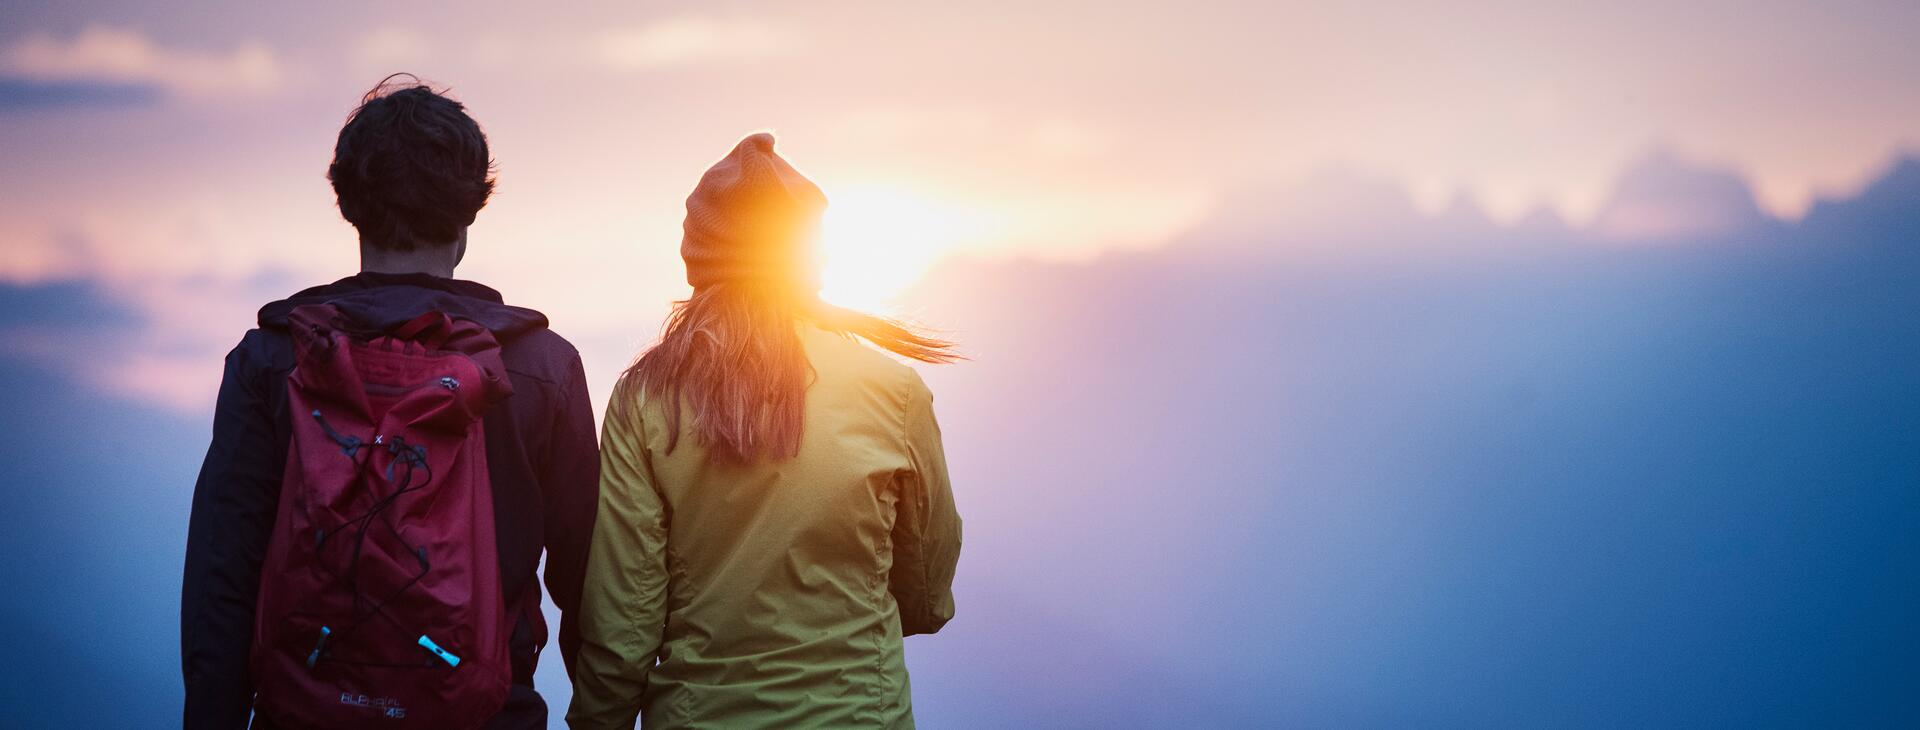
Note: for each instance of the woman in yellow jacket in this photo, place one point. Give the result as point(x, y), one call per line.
point(775, 513)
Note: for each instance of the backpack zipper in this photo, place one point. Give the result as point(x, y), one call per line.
point(446, 381)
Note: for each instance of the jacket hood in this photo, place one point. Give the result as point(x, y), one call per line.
point(385, 301)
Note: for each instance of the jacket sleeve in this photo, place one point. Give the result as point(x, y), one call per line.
point(570, 481)
point(623, 608)
point(233, 514)
point(926, 528)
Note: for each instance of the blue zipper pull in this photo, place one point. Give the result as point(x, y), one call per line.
point(314, 658)
point(451, 660)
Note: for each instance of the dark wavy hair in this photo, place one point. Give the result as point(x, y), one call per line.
point(411, 169)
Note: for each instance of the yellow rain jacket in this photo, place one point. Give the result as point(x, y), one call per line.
point(776, 594)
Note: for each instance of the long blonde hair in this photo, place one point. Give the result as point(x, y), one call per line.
point(730, 353)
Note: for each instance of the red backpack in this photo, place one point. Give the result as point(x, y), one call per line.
point(380, 600)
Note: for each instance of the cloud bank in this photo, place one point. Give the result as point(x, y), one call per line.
point(109, 58)
point(1439, 473)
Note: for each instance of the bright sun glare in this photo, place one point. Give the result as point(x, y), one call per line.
point(879, 239)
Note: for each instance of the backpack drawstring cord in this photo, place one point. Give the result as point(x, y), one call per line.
point(348, 444)
point(413, 457)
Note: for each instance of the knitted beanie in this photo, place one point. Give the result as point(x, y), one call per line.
point(752, 217)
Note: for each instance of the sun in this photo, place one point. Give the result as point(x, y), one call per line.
point(877, 240)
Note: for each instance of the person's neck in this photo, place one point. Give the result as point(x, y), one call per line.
point(430, 260)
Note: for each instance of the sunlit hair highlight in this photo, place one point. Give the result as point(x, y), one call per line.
point(731, 358)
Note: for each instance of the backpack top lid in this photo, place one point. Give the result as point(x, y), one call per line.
point(460, 354)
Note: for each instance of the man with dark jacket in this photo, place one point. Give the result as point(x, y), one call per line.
point(411, 170)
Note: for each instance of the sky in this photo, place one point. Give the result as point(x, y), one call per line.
point(1335, 365)
point(165, 145)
